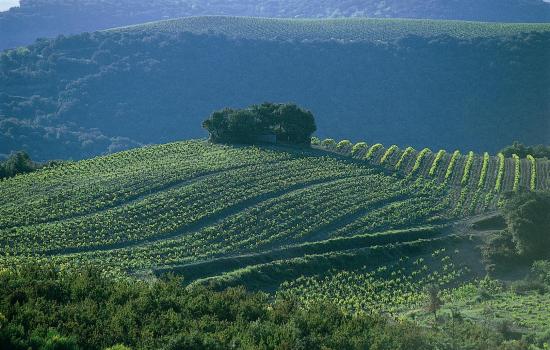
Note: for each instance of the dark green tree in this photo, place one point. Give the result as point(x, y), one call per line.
point(528, 218)
point(288, 122)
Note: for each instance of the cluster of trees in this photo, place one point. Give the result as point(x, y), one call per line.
point(42, 308)
point(49, 18)
point(285, 121)
point(17, 163)
point(538, 151)
point(525, 238)
point(80, 96)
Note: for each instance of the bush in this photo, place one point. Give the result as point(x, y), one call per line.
point(528, 285)
point(17, 163)
point(529, 223)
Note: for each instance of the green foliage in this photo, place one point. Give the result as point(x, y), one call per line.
point(118, 347)
point(540, 271)
point(372, 150)
point(17, 163)
point(528, 221)
point(517, 172)
point(328, 143)
point(500, 174)
point(418, 161)
point(344, 146)
point(467, 169)
point(200, 58)
point(388, 153)
point(359, 146)
point(408, 151)
point(288, 122)
point(315, 141)
point(533, 179)
point(539, 151)
point(436, 161)
point(87, 311)
point(451, 165)
point(484, 169)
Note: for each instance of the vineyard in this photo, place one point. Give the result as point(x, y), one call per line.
point(348, 29)
point(475, 181)
point(365, 225)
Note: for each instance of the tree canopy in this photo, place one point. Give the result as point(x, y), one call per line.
point(288, 122)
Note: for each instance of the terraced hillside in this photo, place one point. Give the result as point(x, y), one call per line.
point(367, 227)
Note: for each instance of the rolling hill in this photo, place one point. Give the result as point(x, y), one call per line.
point(204, 209)
point(367, 228)
point(49, 18)
point(385, 80)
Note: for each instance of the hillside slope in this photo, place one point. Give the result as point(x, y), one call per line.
point(188, 202)
point(384, 80)
point(39, 18)
point(307, 223)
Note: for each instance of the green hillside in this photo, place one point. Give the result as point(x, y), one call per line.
point(367, 228)
point(80, 96)
point(47, 19)
point(346, 29)
point(167, 206)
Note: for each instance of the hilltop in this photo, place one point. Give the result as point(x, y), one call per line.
point(38, 19)
point(343, 29)
point(385, 80)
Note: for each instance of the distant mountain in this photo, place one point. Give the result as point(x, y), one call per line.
point(440, 84)
point(49, 18)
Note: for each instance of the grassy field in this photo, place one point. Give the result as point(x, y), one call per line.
point(348, 29)
point(313, 223)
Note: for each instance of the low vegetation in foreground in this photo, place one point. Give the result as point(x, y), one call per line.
point(43, 308)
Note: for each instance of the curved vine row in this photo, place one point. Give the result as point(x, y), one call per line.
point(484, 169)
point(419, 158)
point(533, 181)
point(517, 172)
point(373, 149)
point(467, 169)
point(451, 166)
point(405, 154)
point(437, 159)
point(500, 175)
point(388, 153)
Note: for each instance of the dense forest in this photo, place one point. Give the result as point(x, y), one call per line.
point(89, 94)
point(49, 18)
